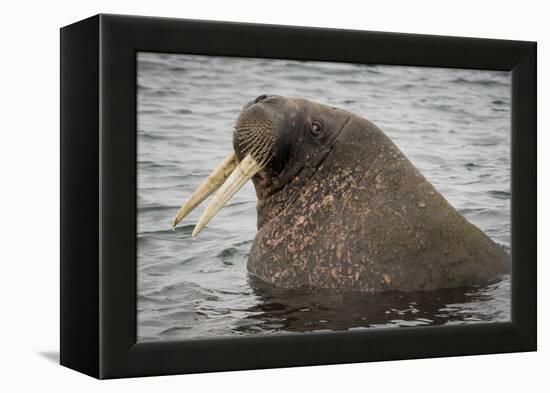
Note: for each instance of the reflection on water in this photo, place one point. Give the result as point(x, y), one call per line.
point(453, 125)
point(297, 311)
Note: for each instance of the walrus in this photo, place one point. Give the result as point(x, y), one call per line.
point(341, 207)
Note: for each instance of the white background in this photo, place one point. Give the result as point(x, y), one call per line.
point(29, 154)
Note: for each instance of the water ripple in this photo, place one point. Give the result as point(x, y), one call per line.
point(453, 124)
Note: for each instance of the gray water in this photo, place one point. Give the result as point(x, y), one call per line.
point(454, 125)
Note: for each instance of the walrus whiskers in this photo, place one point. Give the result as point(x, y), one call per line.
point(262, 150)
point(257, 141)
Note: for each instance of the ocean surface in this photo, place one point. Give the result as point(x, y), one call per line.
point(454, 125)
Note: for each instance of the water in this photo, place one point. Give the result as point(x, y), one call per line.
point(454, 125)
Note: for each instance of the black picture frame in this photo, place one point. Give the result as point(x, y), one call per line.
point(98, 195)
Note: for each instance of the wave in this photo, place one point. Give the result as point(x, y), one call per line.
point(500, 194)
point(157, 208)
point(483, 82)
point(186, 229)
point(183, 111)
point(154, 137)
point(472, 165)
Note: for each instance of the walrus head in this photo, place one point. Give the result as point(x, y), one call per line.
point(276, 140)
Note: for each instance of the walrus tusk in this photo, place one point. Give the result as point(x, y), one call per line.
point(207, 187)
point(247, 168)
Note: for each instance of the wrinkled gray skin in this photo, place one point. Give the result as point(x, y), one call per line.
point(342, 207)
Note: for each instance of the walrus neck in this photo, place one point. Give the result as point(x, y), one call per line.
point(275, 193)
point(281, 193)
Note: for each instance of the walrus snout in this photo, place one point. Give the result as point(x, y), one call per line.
point(255, 131)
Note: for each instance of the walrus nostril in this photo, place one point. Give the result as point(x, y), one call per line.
point(260, 98)
point(255, 101)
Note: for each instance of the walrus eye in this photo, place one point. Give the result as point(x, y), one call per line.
point(316, 127)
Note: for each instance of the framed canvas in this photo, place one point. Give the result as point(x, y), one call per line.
point(390, 212)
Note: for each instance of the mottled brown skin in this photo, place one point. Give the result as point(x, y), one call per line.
point(346, 209)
